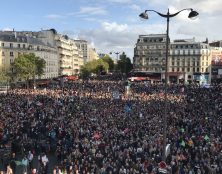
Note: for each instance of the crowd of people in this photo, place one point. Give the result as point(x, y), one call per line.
point(105, 127)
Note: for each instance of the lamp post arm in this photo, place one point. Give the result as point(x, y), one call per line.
point(168, 15)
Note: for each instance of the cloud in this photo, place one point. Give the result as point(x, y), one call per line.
point(135, 7)
point(92, 11)
point(117, 37)
point(121, 34)
point(54, 16)
point(120, 1)
point(207, 24)
point(7, 29)
point(203, 6)
point(114, 27)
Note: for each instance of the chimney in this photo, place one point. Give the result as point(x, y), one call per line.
point(15, 33)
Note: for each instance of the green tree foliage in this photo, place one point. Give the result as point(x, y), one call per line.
point(124, 64)
point(40, 66)
point(110, 62)
point(4, 78)
point(95, 67)
point(28, 65)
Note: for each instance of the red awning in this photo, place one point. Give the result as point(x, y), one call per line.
point(71, 77)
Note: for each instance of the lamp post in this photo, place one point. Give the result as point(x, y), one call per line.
point(117, 54)
point(144, 15)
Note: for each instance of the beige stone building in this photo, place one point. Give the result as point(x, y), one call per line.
point(149, 53)
point(70, 57)
point(83, 46)
point(188, 60)
point(14, 43)
point(92, 55)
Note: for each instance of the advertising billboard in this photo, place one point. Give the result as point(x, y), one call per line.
point(216, 58)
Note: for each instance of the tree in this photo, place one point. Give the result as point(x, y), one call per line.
point(124, 64)
point(110, 62)
point(95, 66)
point(40, 66)
point(84, 72)
point(4, 78)
point(26, 66)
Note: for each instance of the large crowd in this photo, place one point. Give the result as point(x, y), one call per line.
point(105, 127)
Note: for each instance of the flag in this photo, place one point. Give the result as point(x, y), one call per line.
point(126, 130)
point(18, 163)
point(182, 130)
point(182, 90)
point(116, 95)
point(127, 108)
point(190, 142)
point(182, 143)
point(206, 138)
point(96, 136)
point(167, 150)
point(38, 103)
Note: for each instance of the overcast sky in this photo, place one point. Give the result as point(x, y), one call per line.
point(113, 25)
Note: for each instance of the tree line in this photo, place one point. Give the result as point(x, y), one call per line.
point(27, 66)
point(106, 65)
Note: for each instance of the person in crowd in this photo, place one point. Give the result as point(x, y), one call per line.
point(96, 126)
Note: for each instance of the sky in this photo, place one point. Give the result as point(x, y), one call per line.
point(113, 25)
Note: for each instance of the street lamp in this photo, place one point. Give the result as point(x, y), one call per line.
point(117, 53)
point(144, 15)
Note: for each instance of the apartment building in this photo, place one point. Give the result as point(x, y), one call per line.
point(189, 60)
point(83, 46)
point(92, 55)
point(149, 53)
point(61, 53)
point(70, 57)
point(14, 43)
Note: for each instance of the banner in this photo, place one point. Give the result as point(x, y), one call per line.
point(115, 95)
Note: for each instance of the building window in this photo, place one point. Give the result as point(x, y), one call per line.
point(198, 69)
point(11, 54)
point(178, 69)
point(3, 44)
point(188, 69)
point(193, 69)
point(11, 45)
point(3, 53)
point(18, 45)
point(172, 69)
point(23, 45)
point(206, 70)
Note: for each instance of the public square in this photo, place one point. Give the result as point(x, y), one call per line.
point(96, 127)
